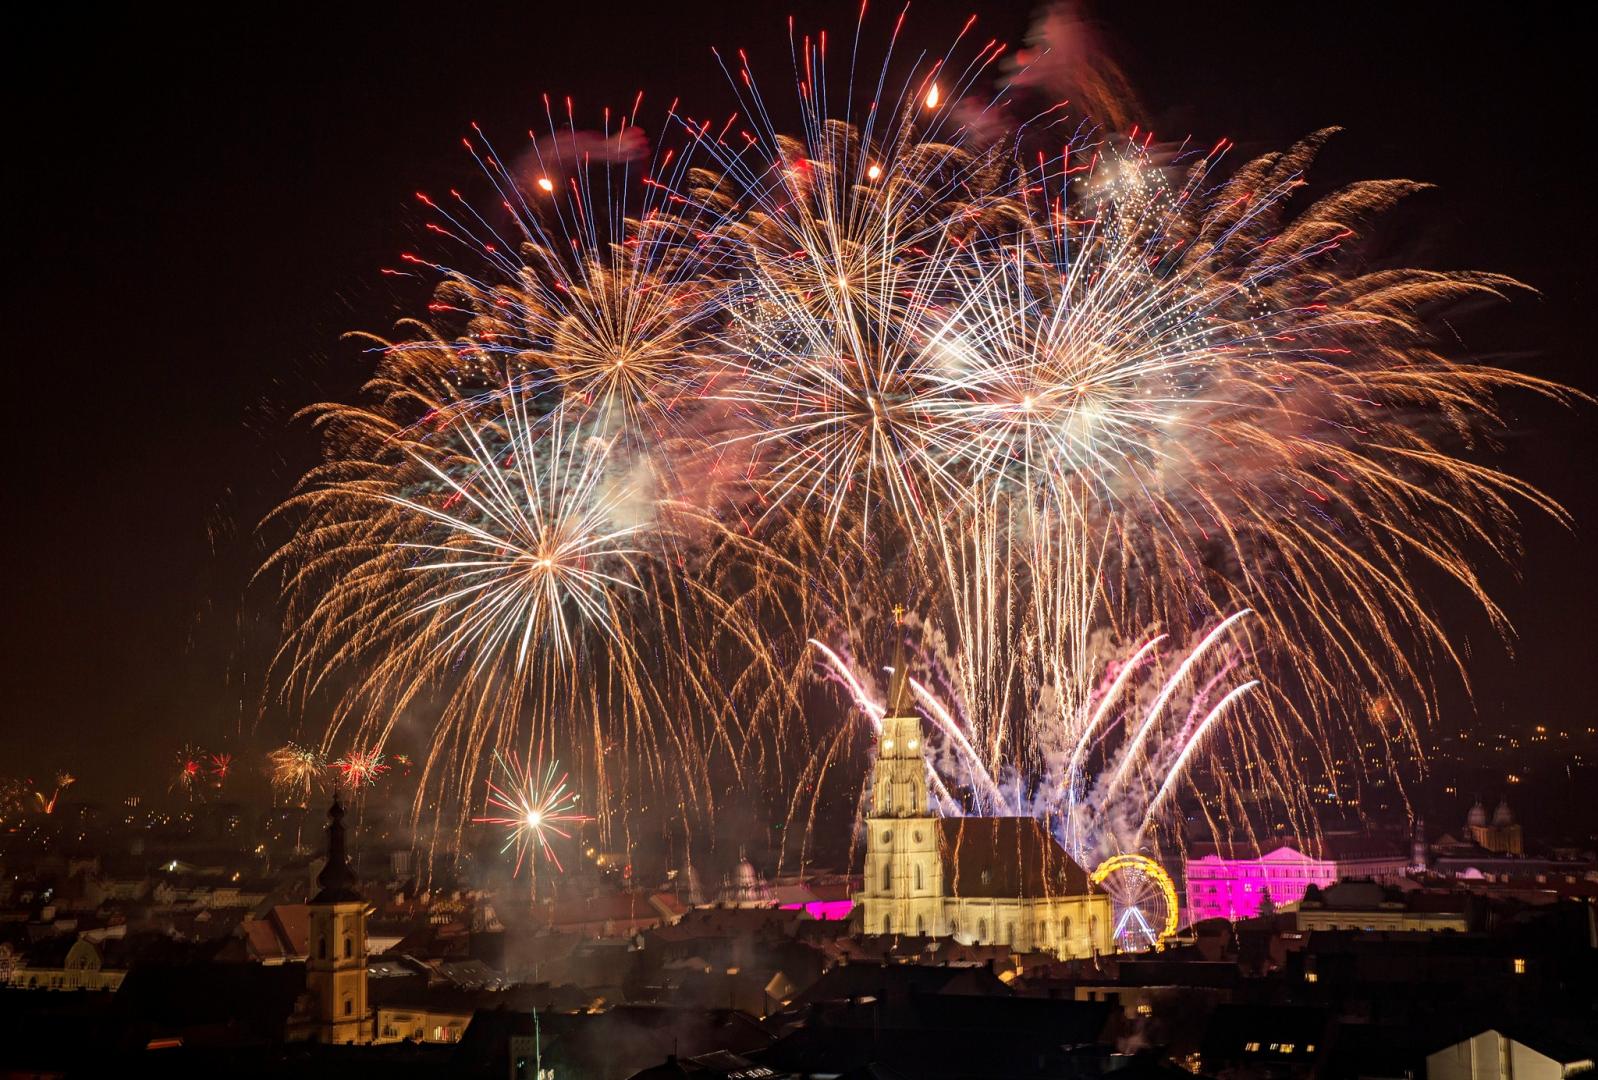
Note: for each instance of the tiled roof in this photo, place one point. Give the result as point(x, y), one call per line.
point(1006, 857)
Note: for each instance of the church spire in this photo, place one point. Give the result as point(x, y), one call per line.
point(336, 879)
point(899, 703)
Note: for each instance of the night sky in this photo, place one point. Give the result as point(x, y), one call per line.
point(198, 210)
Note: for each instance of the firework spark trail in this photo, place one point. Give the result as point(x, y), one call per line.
point(1091, 811)
point(693, 404)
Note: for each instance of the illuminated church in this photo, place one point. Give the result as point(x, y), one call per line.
point(983, 881)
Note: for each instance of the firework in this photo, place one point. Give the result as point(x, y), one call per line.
point(1100, 775)
point(47, 804)
point(220, 765)
point(532, 806)
point(296, 770)
point(190, 777)
point(360, 768)
point(1061, 390)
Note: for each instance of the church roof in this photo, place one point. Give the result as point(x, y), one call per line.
point(1007, 857)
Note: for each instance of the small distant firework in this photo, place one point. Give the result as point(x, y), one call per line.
point(62, 782)
point(297, 770)
point(531, 806)
point(220, 766)
point(192, 763)
point(360, 768)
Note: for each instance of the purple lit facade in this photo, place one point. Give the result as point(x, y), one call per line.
point(823, 909)
point(1220, 887)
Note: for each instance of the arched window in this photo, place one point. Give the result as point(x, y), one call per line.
point(349, 1006)
point(921, 926)
point(1065, 929)
point(887, 800)
point(887, 924)
point(887, 877)
point(982, 930)
point(1010, 934)
point(1043, 929)
point(918, 876)
point(321, 948)
point(349, 948)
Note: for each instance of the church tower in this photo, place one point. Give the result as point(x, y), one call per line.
point(903, 891)
point(335, 971)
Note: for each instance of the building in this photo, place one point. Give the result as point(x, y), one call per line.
point(983, 881)
point(1501, 835)
point(1494, 1056)
point(1227, 882)
point(1365, 905)
point(82, 968)
point(335, 970)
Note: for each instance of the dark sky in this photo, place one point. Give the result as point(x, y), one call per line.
point(198, 209)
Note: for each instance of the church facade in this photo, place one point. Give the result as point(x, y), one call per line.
point(983, 881)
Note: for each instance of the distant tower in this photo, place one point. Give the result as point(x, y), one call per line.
point(335, 972)
point(903, 891)
point(1419, 852)
point(1502, 835)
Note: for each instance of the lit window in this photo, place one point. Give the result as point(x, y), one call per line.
point(1145, 1009)
point(1287, 1048)
point(1520, 965)
point(887, 744)
point(1312, 976)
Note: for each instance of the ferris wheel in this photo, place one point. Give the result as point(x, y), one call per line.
point(1144, 899)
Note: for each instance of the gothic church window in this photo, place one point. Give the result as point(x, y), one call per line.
point(887, 877)
point(918, 875)
point(349, 948)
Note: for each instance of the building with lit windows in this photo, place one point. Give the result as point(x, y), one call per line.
point(1229, 881)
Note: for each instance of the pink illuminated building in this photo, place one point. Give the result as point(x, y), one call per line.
point(1228, 883)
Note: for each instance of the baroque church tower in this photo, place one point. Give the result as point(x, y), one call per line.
point(903, 891)
point(335, 971)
